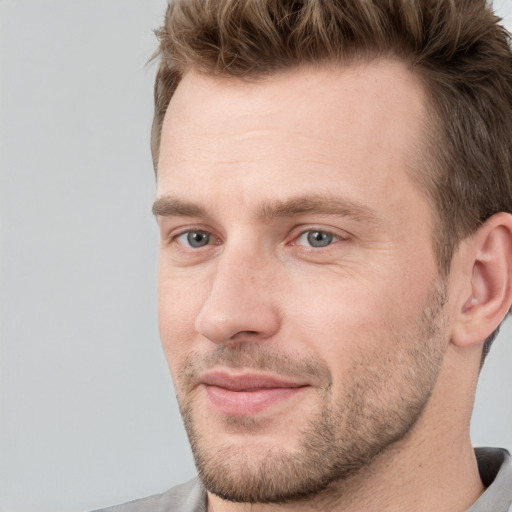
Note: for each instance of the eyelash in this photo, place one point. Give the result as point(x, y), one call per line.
point(173, 237)
point(335, 238)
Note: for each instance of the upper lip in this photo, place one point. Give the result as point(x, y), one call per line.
point(247, 381)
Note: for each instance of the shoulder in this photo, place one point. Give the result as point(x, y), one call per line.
point(187, 497)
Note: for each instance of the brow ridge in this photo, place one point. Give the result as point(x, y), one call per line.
point(293, 207)
point(167, 206)
point(318, 204)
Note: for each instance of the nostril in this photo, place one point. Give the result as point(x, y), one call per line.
point(243, 336)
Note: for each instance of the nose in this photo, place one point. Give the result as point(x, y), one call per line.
point(240, 304)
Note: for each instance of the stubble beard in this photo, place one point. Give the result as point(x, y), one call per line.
point(343, 436)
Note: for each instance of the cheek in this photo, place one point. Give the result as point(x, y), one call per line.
point(342, 319)
point(335, 307)
point(178, 307)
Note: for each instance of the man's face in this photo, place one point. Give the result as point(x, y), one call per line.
point(300, 307)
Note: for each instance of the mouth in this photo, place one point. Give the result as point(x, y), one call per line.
point(247, 394)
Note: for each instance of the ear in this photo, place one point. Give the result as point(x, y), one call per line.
point(483, 264)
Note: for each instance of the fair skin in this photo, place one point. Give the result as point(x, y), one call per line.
point(296, 276)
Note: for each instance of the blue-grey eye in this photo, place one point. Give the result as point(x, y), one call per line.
point(319, 238)
point(195, 239)
point(316, 238)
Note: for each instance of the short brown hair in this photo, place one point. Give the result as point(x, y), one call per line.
point(456, 47)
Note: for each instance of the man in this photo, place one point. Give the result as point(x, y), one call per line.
point(334, 194)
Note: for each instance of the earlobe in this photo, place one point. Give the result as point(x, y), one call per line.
point(488, 297)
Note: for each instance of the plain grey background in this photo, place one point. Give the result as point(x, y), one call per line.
point(88, 415)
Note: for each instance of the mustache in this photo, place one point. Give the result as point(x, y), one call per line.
point(254, 356)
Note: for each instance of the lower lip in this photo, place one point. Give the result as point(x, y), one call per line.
point(247, 403)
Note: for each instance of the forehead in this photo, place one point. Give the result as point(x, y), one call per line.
point(296, 95)
point(359, 123)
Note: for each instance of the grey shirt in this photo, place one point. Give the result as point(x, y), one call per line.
point(494, 464)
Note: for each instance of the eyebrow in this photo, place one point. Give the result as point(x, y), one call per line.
point(167, 206)
point(317, 204)
point(171, 207)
